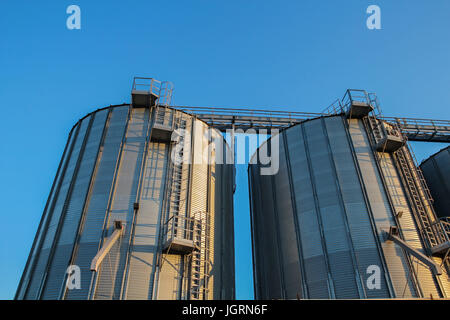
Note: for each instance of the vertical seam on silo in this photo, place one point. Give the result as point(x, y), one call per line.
point(295, 216)
point(94, 276)
point(369, 209)
point(354, 258)
point(48, 214)
point(85, 206)
point(330, 282)
point(124, 285)
point(65, 207)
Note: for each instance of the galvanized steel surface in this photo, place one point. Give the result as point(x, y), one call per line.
point(110, 166)
point(321, 221)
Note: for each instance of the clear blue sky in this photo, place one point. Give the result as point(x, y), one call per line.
point(291, 55)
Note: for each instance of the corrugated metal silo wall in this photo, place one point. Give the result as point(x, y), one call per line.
point(436, 171)
point(106, 167)
point(320, 222)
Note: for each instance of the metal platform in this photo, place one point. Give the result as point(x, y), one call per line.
point(145, 92)
point(390, 143)
point(180, 235)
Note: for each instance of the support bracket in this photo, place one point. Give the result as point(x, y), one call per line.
point(97, 260)
point(394, 236)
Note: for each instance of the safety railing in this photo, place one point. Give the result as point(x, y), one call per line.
point(441, 229)
point(355, 95)
point(334, 108)
point(150, 85)
point(182, 228)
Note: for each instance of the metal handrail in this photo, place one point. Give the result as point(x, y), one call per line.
point(179, 227)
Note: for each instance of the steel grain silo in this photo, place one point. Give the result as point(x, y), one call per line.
point(436, 170)
point(138, 224)
point(346, 203)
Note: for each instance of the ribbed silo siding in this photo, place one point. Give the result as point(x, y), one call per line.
point(97, 204)
point(436, 171)
point(407, 225)
point(108, 287)
point(56, 210)
point(200, 184)
point(170, 277)
point(398, 268)
point(330, 181)
point(74, 208)
point(144, 248)
point(45, 218)
point(312, 244)
point(292, 283)
point(338, 248)
point(268, 242)
point(354, 206)
point(99, 180)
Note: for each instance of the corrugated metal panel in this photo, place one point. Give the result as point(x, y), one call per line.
point(361, 232)
point(270, 253)
point(96, 208)
point(74, 209)
point(42, 260)
point(142, 260)
point(407, 224)
point(287, 232)
point(199, 170)
point(46, 217)
point(313, 252)
point(338, 247)
point(169, 282)
point(395, 257)
point(341, 223)
point(93, 205)
point(110, 275)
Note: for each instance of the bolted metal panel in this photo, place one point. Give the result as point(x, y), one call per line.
point(145, 241)
point(122, 208)
point(92, 228)
point(40, 267)
point(23, 285)
point(74, 209)
point(359, 225)
point(315, 262)
point(115, 169)
point(344, 202)
point(397, 264)
point(436, 170)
